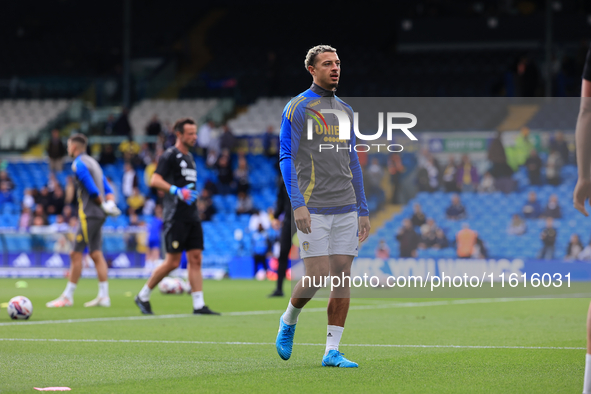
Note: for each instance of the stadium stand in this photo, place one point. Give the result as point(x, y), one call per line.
point(22, 120)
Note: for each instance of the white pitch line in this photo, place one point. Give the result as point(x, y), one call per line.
point(140, 341)
point(273, 312)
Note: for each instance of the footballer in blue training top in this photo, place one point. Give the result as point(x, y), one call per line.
point(325, 187)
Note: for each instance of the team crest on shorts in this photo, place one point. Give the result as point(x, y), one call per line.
point(175, 244)
point(79, 238)
point(306, 245)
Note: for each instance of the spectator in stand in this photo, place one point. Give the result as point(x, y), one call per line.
point(268, 138)
point(534, 168)
point(205, 206)
point(574, 248)
point(205, 209)
point(261, 248)
point(586, 253)
point(418, 217)
point(517, 226)
point(382, 250)
point(427, 237)
point(52, 183)
point(559, 144)
point(373, 177)
point(259, 217)
point(408, 239)
point(56, 202)
point(467, 176)
point(6, 196)
point(130, 150)
point(148, 172)
point(110, 125)
point(129, 180)
point(428, 175)
point(144, 157)
point(479, 251)
point(498, 158)
point(553, 208)
point(225, 176)
point(37, 230)
point(395, 169)
point(40, 211)
point(43, 197)
point(67, 213)
point(154, 127)
point(548, 237)
point(456, 210)
point(56, 150)
point(449, 176)
point(244, 204)
point(465, 241)
point(136, 201)
point(441, 241)
point(205, 136)
point(107, 155)
point(487, 184)
point(227, 139)
point(122, 126)
point(168, 135)
point(241, 176)
point(553, 166)
point(60, 225)
point(5, 178)
point(28, 200)
point(522, 148)
point(70, 192)
point(212, 158)
point(532, 209)
point(25, 219)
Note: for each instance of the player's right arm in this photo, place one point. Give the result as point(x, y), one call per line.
point(83, 174)
point(157, 181)
point(583, 142)
point(289, 140)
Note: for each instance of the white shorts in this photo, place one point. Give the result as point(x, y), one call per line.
point(331, 234)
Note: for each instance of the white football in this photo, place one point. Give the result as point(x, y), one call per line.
point(170, 285)
point(20, 308)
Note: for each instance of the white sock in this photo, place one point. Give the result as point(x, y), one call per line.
point(69, 292)
point(103, 289)
point(587, 382)
point(290, 317)
point(333, 338)
point(144, 294)
point(198, 302)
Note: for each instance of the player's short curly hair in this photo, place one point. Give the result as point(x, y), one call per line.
point(79, 138)
point(179, 125)
point(315, 51)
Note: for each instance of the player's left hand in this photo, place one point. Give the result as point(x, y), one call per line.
point(364, 228)
point(110, 208)
point(581, 195)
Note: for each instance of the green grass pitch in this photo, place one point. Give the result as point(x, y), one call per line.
point(467, 346)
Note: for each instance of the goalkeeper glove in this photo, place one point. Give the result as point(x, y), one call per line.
point(185, 194)
point(110, 208)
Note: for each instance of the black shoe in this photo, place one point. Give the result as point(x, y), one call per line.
point(276, 293)
point(144, 306)
point(204, 311)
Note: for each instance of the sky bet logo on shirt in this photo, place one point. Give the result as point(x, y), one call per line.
point(316, 123)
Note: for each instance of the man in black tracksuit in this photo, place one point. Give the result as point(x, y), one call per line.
point(287, 231)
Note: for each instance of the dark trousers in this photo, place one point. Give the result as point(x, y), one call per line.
point(260, 259)
point(285, 243)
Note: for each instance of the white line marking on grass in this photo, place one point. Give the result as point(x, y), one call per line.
point(299, 344)
point(273, 312)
